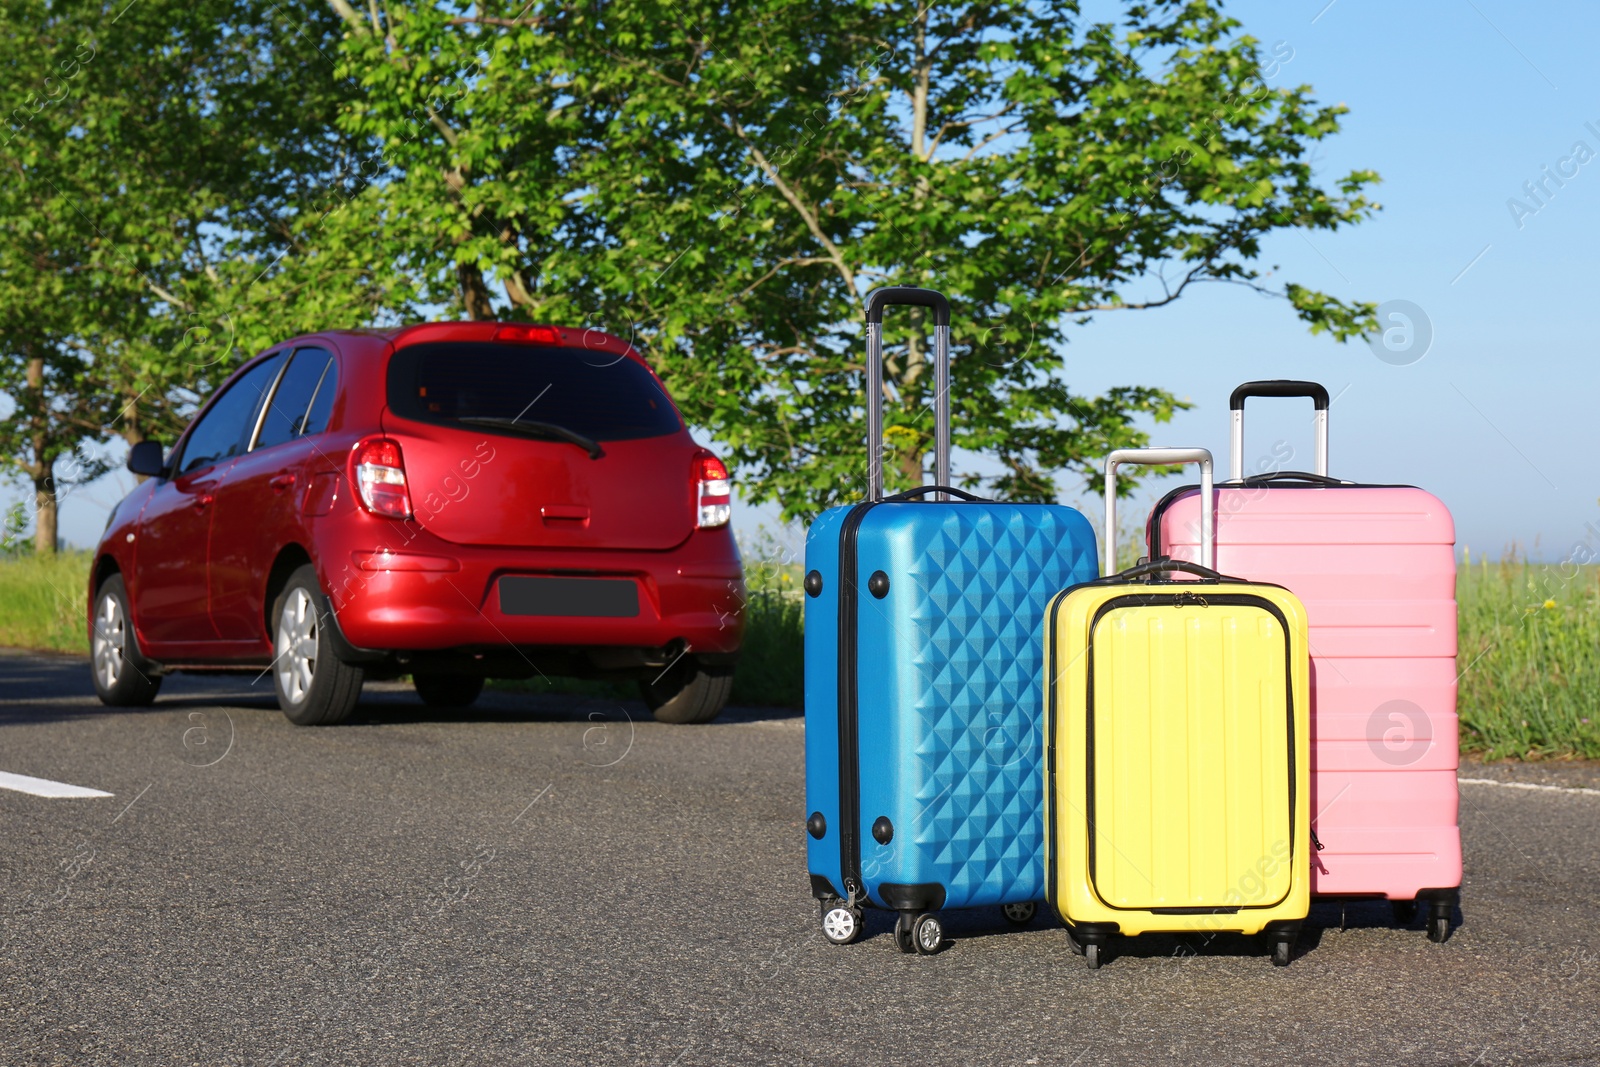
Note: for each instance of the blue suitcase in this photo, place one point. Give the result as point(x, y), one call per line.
point(924, 691)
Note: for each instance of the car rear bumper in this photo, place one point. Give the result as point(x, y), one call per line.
point(432, 595)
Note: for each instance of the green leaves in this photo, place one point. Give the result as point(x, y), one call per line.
point(720, 183)
point(1037, 169)
point(145, 207)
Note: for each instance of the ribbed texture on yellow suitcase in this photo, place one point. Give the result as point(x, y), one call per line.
point(1190, 743)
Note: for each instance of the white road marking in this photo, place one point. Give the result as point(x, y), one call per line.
point(1529, 785)
point(44, 787)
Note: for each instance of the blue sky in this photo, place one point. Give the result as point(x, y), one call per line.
point(1457, 104)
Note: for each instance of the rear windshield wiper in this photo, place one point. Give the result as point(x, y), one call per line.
point(544, 430)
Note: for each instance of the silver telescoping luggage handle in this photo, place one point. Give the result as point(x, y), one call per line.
point(877, 300)
point(1277, 387)
point(1159, 457)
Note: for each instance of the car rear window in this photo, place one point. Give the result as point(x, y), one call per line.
point(598, 394)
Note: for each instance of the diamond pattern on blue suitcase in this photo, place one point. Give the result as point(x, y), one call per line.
point(986, 575)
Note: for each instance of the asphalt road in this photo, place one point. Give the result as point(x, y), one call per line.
point(551, 880)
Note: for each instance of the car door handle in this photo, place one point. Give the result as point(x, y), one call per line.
point(281, 482)
point(564, 513)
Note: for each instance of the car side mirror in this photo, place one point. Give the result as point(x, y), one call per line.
point(147, 459)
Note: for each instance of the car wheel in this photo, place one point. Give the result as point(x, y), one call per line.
point(688, 692)
point(447, 690)
point(315, 687)
point(122, 677)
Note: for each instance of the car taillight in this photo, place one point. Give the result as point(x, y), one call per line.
point(381, 478)
point(539, 335)
point(711, 491)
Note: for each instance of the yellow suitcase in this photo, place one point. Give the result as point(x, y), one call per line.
point(1177, 749)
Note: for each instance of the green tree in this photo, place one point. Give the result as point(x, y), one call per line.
point(725, 182)
point(161, 165)
point(477, 121)
point(1038, 168)
point(56, 402)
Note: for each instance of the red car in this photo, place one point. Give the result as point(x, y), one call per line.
point(452, 501)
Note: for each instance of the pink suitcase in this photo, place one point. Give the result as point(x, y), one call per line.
point(1375, 566)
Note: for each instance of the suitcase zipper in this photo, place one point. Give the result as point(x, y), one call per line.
point(1050, 749)
point(849, 697)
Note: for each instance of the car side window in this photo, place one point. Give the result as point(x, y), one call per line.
point(322, 404)
point(224, 429)
point(298, 390)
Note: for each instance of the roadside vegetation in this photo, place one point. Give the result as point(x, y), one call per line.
point(43, 601)
point(1529, 652)
point(1529, 659)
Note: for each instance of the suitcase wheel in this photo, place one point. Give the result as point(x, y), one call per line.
point(1021, 914)
point(920, 933)
point(1441, 906)
point(1280, 953)
point(902, 932)
point(1091, 946)
point(927, 932)
point(840, 924)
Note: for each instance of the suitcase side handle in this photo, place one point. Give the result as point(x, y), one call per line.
point(924, 490)
point(877, 300)
point(1279, 387)
point(1158, 457)
point(1167, 566)
point(1290, 476)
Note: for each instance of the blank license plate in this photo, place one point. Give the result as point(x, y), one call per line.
point(607, 598)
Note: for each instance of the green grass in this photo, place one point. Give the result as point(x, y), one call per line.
point(43, 602)
point(1529, 660)
point(771, 664)
point(1529, 647)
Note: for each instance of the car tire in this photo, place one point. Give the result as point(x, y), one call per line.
point(122, 677)
point(448, 690)
point(688, 692)
point(315, 687)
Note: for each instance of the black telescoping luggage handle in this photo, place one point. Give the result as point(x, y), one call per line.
point(892, 295)
point(1277, 387)
point(877, 300)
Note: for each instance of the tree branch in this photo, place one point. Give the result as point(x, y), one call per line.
point(488, 20)
point(1196, 275)
point(802, 261)
point(835, 254)
point(168, 297)
point(348, 13)
point(981, 145)
point(958, 124)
